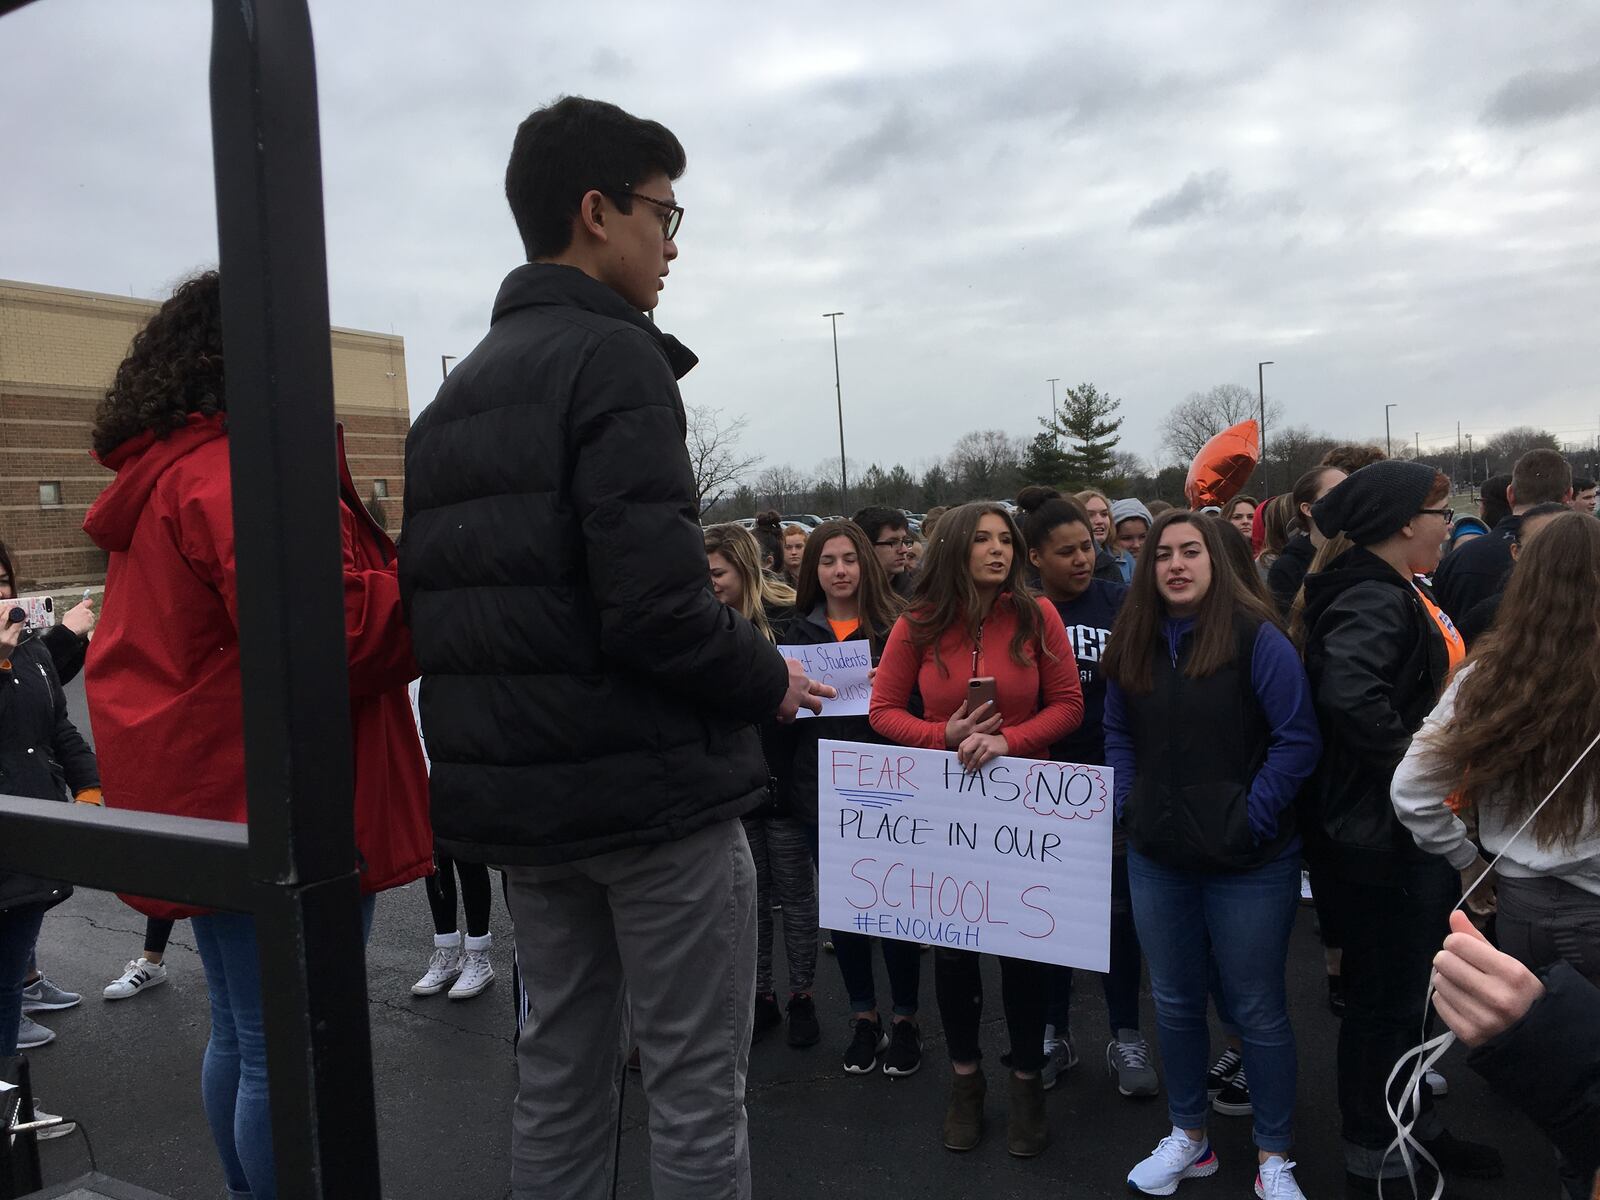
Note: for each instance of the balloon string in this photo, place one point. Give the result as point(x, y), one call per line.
point(1430, 1051)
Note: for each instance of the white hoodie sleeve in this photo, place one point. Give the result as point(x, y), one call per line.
point(1419, 790)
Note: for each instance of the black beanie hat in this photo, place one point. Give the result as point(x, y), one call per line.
point(1375, 501)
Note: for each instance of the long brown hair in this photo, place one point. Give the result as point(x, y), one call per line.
point(1135, 637)
point(1331, 549)
point(1532, 700)
point(758, 591)
point(1245, 571)
point(878, 604)
point(1276, 528)
point(945, 594)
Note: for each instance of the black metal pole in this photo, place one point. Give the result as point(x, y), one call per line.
point(844, 483)
point(1055, 414)
point(298, 773)
point(1388, 440)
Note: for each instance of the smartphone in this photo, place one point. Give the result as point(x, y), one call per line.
point(38, 612)
point(981, 691)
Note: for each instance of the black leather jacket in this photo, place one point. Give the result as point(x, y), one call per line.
point(1377, 663)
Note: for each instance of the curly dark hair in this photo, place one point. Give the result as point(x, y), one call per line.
point(173, 368)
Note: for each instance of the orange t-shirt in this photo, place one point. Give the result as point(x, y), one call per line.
point(843, 629)
point(1453, 643)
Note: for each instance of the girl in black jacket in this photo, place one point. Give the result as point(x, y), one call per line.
point(41, 755)
point(843, 595)
point(778, 843)
point(1377, 652)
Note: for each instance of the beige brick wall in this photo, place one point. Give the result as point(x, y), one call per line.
point(58, 352)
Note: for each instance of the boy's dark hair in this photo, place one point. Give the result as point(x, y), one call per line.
point(1540, 476)
point(576, 146)
point(1581, 483)
point(1351, 458)
point(875, 518)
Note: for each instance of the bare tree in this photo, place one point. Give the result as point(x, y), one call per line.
point(986, 464)
point(782, 488)
point(1504, 448)
point(714, 456)
point(1203, 415)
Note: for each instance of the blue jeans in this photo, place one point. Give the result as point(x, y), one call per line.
point(233, 1078)
point(19, 929)
point(1187, 918)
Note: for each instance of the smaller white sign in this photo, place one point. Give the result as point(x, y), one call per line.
point(843, 666)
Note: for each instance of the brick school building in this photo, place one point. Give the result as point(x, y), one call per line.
point(59, 349)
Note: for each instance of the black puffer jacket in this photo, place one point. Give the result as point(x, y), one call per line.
point(42, 755)
point(1377, 663)
point(582, 689)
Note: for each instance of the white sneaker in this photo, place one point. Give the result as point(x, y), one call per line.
point(1275, 1180)
point(1439, 1084)
point(137, 976)
point(1060, 1056)
point(443, 969)
point(476, 974)
point(1174, 1159)
point(31, 1035)
point(55, 1131)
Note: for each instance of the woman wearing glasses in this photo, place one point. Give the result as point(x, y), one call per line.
point(1378, 651)
point(971, 617)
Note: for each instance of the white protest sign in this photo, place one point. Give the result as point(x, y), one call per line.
point(844, 666)
point(1014, 859)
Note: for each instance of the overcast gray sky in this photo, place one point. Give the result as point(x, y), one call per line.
point(1394, 202)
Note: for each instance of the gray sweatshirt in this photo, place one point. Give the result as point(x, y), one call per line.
point(1419, 794)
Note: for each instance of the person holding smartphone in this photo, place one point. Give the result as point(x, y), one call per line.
point(972, 618)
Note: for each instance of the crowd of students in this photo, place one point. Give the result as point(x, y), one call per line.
point(1241, 755)
point(1277, 685)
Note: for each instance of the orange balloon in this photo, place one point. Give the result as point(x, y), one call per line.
point(1224, 465)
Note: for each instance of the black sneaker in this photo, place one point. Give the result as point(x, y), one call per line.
point(905, 1049)
point(803, 1027)
point(1222, 1072)
point(1464, 1160)
point(1234, 1099)
point(866, 1043)
point(768, 1014)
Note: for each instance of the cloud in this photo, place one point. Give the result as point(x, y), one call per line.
point(1198, 195)
point(863, 159)
point(1537, 96)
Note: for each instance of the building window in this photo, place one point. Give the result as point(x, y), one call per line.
point(380, 489)
point(49, 494)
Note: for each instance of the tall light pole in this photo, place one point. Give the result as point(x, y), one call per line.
point(1261, 395)
point(1387, 439)
point(1472, 471)
point(844, 483)
point(1055, 434)
point(444, 365)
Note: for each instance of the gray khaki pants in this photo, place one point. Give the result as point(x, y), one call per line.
point(666, 935)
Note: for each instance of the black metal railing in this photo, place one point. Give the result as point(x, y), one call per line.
point(294, 866)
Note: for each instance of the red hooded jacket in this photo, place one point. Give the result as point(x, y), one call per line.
point(162, 677)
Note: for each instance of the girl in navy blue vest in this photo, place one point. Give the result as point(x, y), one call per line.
point(1210, 729)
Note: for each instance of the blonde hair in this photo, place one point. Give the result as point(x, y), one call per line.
point(758, 591)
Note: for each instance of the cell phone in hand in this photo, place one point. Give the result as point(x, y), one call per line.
point(980, 691)
point(39, 612)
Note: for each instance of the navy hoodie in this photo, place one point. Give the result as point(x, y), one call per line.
point(1089, 619)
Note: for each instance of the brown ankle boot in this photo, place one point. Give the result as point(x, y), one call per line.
point(963, 1120)
point(1027, 1130)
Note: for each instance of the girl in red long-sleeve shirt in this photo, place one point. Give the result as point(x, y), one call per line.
point(972, 617)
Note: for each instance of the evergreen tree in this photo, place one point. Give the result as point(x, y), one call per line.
point(1091, 435)
point(1044, 463)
